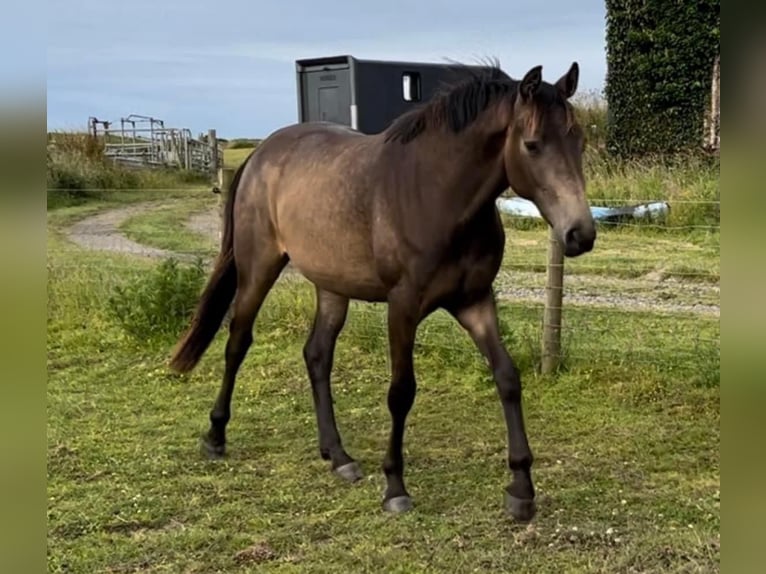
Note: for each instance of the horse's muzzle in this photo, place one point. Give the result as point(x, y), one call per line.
point(579, 240)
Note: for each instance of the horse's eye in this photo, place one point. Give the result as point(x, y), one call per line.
point(532, 146)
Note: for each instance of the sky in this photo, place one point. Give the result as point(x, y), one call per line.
point(233, 68)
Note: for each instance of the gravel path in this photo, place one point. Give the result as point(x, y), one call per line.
point(603, 291)
point(205, 223)
point(101, 232)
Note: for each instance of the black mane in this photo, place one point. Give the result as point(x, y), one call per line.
point(456, 105)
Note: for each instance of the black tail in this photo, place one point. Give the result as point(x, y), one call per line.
point(216, 297)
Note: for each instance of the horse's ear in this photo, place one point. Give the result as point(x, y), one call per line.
point(567, 84)
point(530, 83)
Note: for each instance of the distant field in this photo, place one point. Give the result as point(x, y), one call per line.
point(234, 157)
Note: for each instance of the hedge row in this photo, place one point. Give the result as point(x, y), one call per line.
point(660, 56)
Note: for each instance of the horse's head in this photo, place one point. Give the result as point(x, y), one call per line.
point(543, 157)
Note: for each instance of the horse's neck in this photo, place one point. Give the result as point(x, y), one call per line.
point(470, 174)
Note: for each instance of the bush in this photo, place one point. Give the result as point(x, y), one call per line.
point(158, 306)
point(660, 59)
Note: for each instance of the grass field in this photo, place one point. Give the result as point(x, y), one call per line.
point(626, 437)
point(234, 157)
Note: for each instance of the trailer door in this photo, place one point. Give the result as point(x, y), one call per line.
point(329, 95)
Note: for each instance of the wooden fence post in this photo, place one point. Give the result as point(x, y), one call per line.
point(212, 141)
point(225, 177)
point(554, 296)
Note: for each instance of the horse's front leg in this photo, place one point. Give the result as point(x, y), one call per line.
point(480, 320)
point(403, 319)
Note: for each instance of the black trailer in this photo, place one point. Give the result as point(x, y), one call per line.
point(366, 94)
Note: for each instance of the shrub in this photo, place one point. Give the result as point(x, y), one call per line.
point(660, 59)
point(158, 306)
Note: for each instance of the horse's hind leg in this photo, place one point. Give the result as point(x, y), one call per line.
point(254, 283)
point(318, 353)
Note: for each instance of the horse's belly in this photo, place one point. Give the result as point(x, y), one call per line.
point(343, 268)
point(351, 282)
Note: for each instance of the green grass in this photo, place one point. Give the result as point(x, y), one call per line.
point(626, 436)
point(627, 252)
point(233, 157)
point(166, 225)
point(626, 440)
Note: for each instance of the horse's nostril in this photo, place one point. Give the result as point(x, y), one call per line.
point(577, 241)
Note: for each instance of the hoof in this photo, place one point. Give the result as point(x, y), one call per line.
point(349, 471)
point(397, 504)
point(212, 451)
point(521, 509)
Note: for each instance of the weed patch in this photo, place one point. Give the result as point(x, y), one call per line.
point(156, 307)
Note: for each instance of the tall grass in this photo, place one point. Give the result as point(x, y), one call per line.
point(688, 182)
point(591, 112)
point(77, 170)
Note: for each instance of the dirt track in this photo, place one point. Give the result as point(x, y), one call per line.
point(101, 232)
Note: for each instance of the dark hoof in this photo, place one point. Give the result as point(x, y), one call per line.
point(521, 509)
point(397, 504)
point(212, 451)
point(349, 471)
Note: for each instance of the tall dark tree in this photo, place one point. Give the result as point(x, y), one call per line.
point(660, 57)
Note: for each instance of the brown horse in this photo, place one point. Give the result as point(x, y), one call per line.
point(405, 217)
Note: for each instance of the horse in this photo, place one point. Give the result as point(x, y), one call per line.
point(405, 217)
